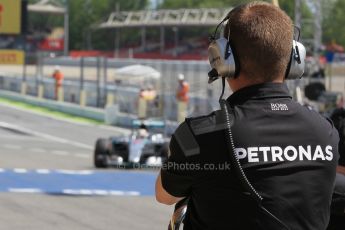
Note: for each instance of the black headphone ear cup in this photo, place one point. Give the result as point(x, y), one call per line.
point(236, 60)
point(287, 71)
point(296, 66)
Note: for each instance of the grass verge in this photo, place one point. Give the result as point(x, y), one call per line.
point(49, 112)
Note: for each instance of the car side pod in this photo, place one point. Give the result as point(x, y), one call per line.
point(178, 215)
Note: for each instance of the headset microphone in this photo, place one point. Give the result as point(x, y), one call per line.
point(212, 75)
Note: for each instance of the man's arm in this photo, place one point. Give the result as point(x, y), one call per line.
point(341, 169)
point(163, 196)
point(175, 180)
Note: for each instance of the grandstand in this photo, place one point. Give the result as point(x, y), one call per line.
point(170, 24)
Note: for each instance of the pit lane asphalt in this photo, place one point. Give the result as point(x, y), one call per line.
point(22, 151)
point(77, 132)
point(32, 212)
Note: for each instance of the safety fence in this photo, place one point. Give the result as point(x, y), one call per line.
point(100, 82)
point(95, 82)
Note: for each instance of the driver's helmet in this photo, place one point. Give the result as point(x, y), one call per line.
point(143, 133)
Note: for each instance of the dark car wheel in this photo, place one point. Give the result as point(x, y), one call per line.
point(101, 153)
point(314, 90)
point(165, 150)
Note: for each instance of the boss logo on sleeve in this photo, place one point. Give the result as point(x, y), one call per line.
point(279, 107)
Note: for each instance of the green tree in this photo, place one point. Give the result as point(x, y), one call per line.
point(286, 5)
point(333, 24)
point(85, 13)
point(199, 31)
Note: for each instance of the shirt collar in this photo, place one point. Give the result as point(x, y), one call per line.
point(259, 91)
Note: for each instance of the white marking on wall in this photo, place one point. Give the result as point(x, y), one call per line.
point(74, 172)
point(88, 192)
point(101, 192)
point(124, 193)
point(43, 171)
point(84, 172)
point(25, 190)
point(20, 170)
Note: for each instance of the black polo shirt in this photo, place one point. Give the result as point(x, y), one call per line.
point(288, 152)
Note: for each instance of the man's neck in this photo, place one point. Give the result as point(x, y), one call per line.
point(242, 81)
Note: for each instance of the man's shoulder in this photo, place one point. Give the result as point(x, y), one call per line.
point(315, 116)
point(206, 123)
point(186, 135)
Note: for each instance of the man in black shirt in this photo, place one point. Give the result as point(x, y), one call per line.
point(337, 221)
point(288, 152)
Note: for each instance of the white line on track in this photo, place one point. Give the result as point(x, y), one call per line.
point(59, 152)
point(81, 155)
point(45, 136)
point(2, 170)
point(14, 147)
point(37, 150)
point(5, 138)
point(112, 128)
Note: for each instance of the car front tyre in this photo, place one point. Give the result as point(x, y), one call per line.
point(101, 153)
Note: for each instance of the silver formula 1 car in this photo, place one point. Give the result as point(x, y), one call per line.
point(144, 146)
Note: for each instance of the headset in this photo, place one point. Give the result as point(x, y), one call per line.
point(225, 63)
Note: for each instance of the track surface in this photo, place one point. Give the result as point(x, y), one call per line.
point(47, 180)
